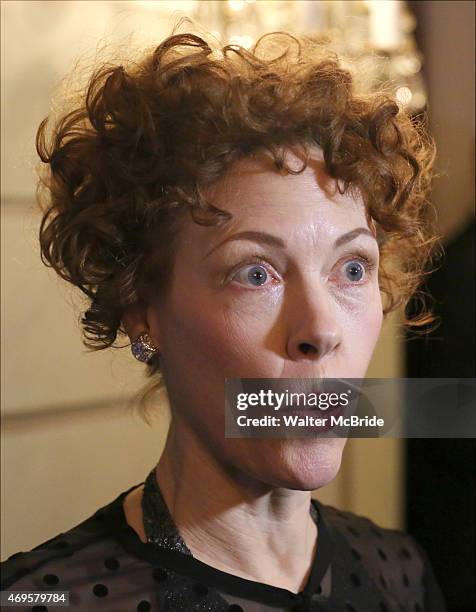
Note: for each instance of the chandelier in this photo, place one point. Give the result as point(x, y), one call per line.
point(375, 35)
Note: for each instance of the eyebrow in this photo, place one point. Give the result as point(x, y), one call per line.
point(348, 236)
point(275, 241)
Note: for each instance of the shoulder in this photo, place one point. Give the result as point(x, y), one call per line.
point(77, 542)
point(86, 549)
point(360, 531)
point(394, 559)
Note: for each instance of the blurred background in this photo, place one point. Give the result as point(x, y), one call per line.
point(65, 414)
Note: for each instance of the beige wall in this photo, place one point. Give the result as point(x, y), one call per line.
point(69, 444)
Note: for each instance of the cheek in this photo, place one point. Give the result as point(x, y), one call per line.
point(216, 335)
point(244, 325)
point(373, 318)
point(361, 327)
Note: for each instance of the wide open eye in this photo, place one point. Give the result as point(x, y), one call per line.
point(354, 270)
point(255, 275)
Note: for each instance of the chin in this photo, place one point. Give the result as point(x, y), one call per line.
point(306, 464)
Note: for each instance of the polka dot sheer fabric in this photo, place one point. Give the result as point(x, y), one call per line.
point(106, 567)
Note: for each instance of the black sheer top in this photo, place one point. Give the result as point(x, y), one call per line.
point(105, 566)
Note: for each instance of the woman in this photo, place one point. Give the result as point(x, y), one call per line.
point(238, 214)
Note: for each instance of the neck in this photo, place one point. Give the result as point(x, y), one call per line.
point(232, 522)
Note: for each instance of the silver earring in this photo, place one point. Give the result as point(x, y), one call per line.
point(143, 348)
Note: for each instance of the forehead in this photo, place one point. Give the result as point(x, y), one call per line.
point(261, 197)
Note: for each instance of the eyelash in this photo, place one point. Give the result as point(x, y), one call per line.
point(360, 256)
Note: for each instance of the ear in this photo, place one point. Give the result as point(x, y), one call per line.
point(134, 321)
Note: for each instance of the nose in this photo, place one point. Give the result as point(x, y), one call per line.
point(315, 330)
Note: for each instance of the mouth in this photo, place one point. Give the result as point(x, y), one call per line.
point(317, 412)
point(318, 420)
point(320, 408)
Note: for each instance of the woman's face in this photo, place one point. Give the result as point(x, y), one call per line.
point(287, 289)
